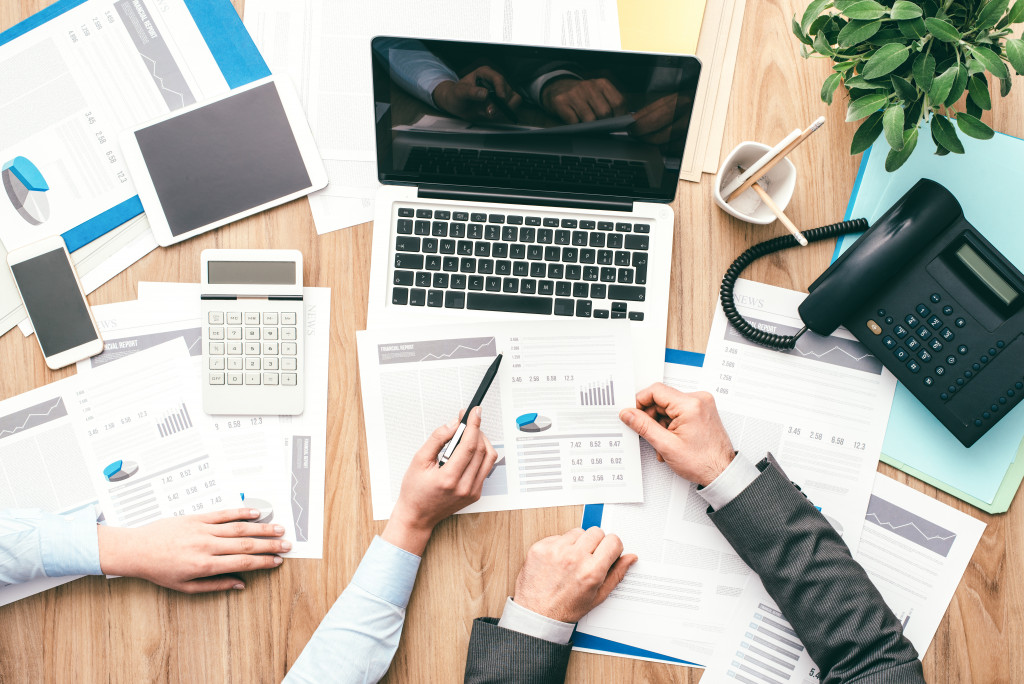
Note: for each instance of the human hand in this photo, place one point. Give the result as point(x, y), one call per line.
point(684, 428)
point(573, 100)
point(663, 120)
point(567, 576)
point(431, 493)
point(468, 101)
point(192, 553)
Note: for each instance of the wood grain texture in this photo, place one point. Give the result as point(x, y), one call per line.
point(129, 631)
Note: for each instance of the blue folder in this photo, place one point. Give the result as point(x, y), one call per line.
point(237, 56)
point(985, 180)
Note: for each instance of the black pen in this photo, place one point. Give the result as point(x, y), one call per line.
point(478, 398)
point(497, 101)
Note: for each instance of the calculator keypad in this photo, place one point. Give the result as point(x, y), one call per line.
point(253, 348)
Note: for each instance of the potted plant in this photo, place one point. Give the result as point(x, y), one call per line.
point(906, 62)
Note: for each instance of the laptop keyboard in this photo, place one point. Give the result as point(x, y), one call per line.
point(520, 263)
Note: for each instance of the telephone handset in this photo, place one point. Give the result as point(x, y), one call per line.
point(928, 295)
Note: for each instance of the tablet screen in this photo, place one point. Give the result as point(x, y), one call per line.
point(223, 159)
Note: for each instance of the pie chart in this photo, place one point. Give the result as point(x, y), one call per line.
point(120, 470)
point(533, 422)
point(26, 189)
point(265, 508)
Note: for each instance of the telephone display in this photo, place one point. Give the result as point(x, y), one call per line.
point(937, 304)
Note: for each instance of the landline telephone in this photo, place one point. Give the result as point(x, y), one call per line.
point(927, 294)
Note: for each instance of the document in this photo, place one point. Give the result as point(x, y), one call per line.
point(820, 409)
point(674, 603)
point(551, 413)
point(915, 550)
point(325, 48)
point(290, 477)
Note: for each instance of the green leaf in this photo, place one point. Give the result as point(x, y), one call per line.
point(942, 84)
point(811, 13)
point(843, 67)
point(942, 30)
point(885, 60)
point(959, 85)
point(1015, 53)
point(924, 70)
point(977, 90)
point(821, 46)
point(829, 87)
point(800, 35)
point(1014, 16)
point(945, 134)
point(904, 10)
point(991, 61)
point(913, 28)
point(896, 158)
point(865, 9)
point(863, 106)
point(866, 133)
point(892, 125)
point(857, 32)
point(842, 5)
point(973, 126)
point(904, 89)
point(991, 13)
point(973, 109)
point(858, 83)
point(1004, 86)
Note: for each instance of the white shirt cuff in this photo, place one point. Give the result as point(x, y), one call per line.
point(730, 483)
point(525, 621)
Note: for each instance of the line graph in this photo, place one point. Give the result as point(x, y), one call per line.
point(31, 417)
point(913, 528)
point(437, 350)
point(837, 351)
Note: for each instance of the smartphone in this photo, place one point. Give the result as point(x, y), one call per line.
point(53, 296)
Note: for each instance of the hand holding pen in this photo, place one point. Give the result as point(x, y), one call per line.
point(478, 399)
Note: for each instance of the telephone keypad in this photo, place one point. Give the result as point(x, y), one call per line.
point(900, 331)
point(940, 370)
point(923, 310)
point(947, 334)
point(962, 349)
point(913, 366)
point(924, 355)
point(901, 354)
point(960, 322)
point(913, 344)
point(936, 298)
point(912, 320)
point(889, 342)
point(924, 333)
point(936, 345)
point(935, 322)
point(947, 310)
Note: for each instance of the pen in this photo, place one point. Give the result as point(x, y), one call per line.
point(478, 398)
point(497, 101)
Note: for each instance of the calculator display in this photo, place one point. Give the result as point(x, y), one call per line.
point(251, 273)
point(988, 276)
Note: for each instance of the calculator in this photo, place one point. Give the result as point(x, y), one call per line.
point(253, 324)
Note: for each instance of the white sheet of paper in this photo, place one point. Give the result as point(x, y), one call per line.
point(915, 550)
point(292, 479)
point(568, 373)
point(702, 567)
point(325, 48)
point(820, 409)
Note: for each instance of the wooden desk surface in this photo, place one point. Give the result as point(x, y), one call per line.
point(131, 631)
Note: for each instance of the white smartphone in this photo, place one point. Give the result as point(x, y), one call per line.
point(53, 296)
point(217, 161)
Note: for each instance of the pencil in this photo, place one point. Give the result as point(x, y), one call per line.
point(759, 173)
point(777, 210)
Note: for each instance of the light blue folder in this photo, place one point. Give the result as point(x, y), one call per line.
point(986, 182)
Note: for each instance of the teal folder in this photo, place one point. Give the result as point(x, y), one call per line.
point(985, 180)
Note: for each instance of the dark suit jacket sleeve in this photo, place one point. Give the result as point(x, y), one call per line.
point(824, 593)
point(503, 655)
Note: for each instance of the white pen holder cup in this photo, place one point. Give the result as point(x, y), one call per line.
point(778, 183)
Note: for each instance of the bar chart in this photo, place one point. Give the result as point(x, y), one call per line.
point(600, 393)
point(174, 421)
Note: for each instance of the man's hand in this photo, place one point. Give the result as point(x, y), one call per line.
point(431, 493)
point(685, 430)
point(193, 553)
point(663, 120)
point(566, 577)
point(468, 101)
point(573, 100)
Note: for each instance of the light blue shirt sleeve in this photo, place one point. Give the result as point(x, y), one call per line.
point(415, 68)
point(35, 544)
point(359, 636)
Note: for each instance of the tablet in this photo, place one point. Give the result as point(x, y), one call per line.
point(215, 162)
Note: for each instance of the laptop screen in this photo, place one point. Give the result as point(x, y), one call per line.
point(531, 120)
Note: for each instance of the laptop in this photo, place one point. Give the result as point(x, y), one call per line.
point(527, 182)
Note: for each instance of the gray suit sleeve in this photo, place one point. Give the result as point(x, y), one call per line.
point(503, 655)
point(825, 594)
